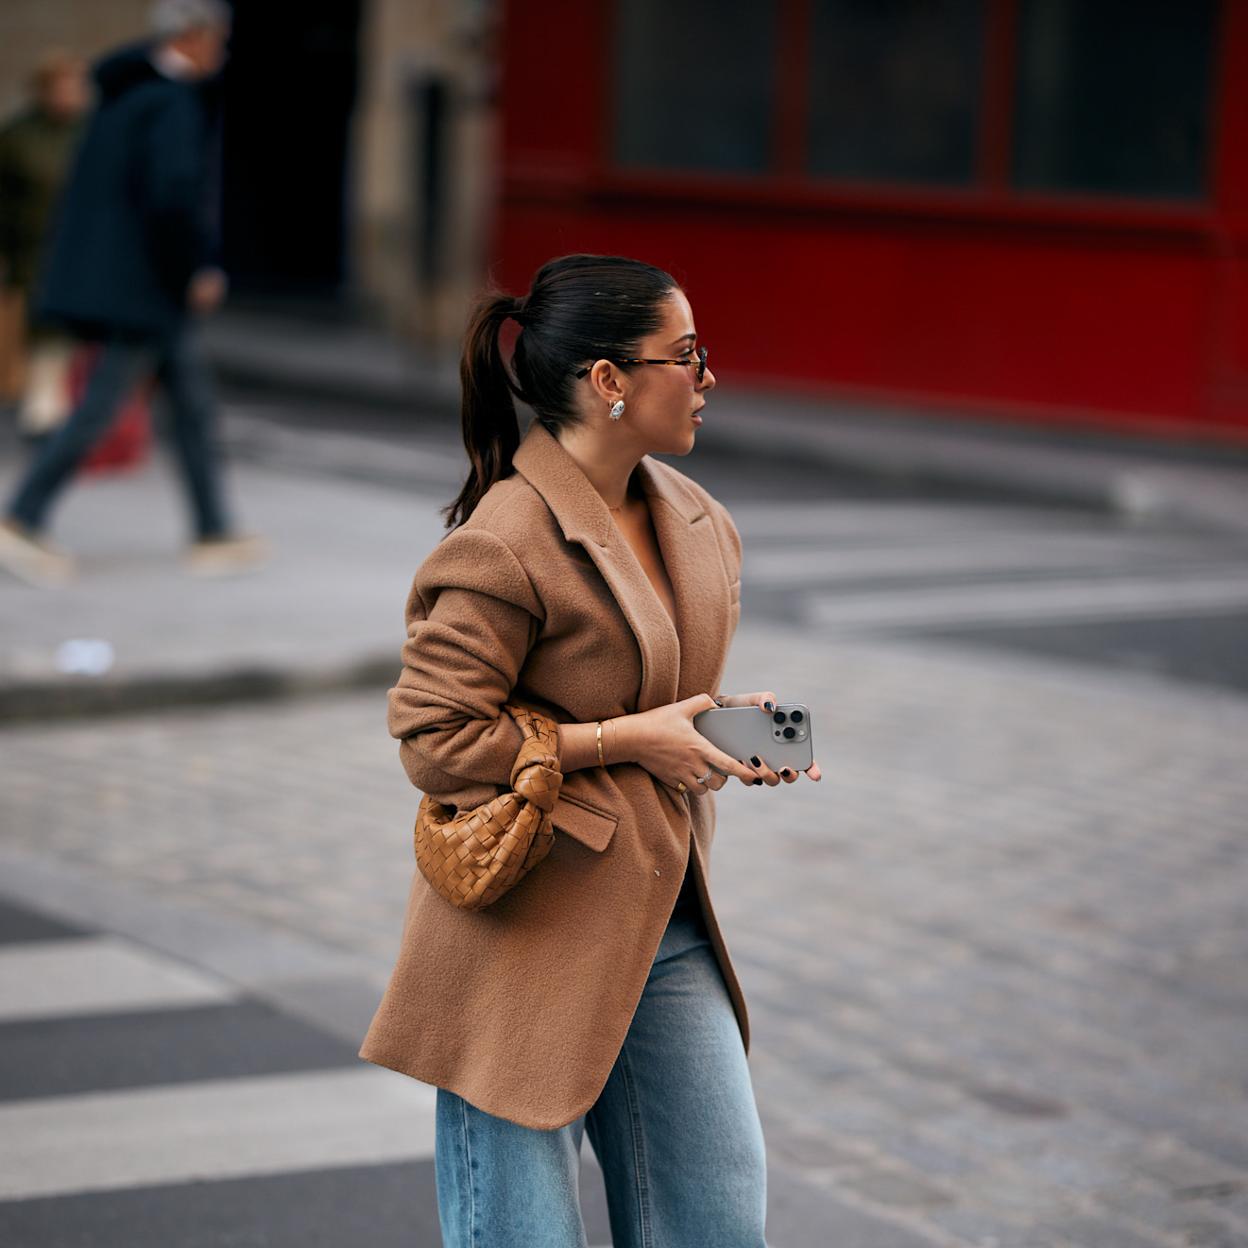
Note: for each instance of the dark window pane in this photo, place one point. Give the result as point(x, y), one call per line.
point(1113, 96)
point(895, 89)
point(694, 83)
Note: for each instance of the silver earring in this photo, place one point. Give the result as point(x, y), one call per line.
point(617, 409)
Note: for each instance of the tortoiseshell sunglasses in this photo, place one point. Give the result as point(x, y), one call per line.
point(699, 361)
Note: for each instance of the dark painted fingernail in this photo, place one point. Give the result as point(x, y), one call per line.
point(756, 780)
point(784, 771)
point(769, 706)
point(754, 758)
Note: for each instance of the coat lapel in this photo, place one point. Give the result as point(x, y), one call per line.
point(676, 662)
point(691, 554)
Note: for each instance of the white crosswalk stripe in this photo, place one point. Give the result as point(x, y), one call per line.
point(1026, 603)
point(205, 1130)
point(97, 974)
point(212, 1129)
point(208, 1129)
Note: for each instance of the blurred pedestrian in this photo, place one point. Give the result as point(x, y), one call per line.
point(36, 147)
point(133, 263)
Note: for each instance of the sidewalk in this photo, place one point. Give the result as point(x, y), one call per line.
point(137, 631)
point(1148, 479)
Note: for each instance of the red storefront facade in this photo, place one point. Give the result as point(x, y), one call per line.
point(1021, 209)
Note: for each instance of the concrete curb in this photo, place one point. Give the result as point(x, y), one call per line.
point(34, 701)
point(358, 367)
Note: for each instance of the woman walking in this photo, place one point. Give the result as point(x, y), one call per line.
point(601, 587)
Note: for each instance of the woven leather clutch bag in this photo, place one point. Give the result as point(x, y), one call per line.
point(474, 856)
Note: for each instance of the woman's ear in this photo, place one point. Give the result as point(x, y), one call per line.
point(606, 381)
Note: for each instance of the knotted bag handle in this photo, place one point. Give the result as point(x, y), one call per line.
point(474, 856)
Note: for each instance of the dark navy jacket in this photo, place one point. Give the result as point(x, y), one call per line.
point(136, 219)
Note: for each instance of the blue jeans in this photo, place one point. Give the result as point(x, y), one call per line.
point(675, 1130)
point(184, 376)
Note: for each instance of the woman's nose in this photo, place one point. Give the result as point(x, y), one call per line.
point(708, 381)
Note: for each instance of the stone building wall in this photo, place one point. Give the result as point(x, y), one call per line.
point(31, 28)
point(404, 44)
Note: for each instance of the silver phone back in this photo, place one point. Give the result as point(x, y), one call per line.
point(745, 730)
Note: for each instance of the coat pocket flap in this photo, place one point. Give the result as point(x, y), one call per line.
point(587, 824)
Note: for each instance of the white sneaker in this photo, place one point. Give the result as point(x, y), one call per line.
point(32, 558)
point(221, 556)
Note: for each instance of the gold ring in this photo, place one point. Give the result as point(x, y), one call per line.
point(680, 786)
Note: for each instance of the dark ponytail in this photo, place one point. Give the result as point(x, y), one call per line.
point(491, 428)
point(579, 309)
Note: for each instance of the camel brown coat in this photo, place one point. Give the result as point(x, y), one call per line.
point(522, 1007)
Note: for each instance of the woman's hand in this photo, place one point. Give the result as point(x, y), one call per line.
point(665, 742)
point(766, 701)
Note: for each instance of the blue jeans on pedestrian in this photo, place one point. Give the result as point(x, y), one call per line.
point(183, 374)
point(675, 1130)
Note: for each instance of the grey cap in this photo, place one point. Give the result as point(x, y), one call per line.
point(175, 17)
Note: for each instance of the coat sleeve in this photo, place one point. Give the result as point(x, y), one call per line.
point(472, 617)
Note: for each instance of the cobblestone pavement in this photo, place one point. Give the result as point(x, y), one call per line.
point(997, 961)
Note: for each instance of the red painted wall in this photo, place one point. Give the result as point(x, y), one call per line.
point(986, 300)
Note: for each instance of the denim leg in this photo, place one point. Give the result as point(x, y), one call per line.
point(118, 368)
point(501, 1185)
point(676, 1129)
point(187, 380)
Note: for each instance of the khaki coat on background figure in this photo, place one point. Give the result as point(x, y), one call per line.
point(522, 1007)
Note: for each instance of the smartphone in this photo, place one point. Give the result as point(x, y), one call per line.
point(781, 738)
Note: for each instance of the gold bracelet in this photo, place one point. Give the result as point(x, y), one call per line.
point(601, 761)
